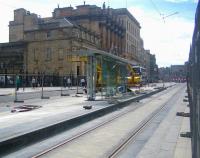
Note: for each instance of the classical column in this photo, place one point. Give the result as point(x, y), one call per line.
point(104, 33)
point(107, 39)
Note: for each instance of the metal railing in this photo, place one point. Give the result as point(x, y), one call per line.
point(46, 86)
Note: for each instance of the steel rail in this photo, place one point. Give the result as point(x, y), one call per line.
point(91, 129)
point(138, 130)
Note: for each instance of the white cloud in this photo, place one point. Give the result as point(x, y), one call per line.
point(169, 40)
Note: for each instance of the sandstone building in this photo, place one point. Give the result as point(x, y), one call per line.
point(50, 41)
point(12, 57)
point(119, 31)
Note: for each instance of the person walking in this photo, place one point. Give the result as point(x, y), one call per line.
point(33, 82)
point(17, 82)
point(83, 82)
point(68, 82)
point(65, 81)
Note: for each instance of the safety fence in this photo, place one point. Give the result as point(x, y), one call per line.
point(37, 80)
point(45, 86)
point(194, 86)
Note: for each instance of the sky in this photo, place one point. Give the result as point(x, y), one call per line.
point(166, 25)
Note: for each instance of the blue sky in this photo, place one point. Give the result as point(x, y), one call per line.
point(168, 39)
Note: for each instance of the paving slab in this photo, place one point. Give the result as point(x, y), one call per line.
point(183, 145)
point(53, 111)
point(165, 141)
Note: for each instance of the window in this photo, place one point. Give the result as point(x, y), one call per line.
point(83, 35)
point(35, 54)
point(48, 34)
point(60, 53)
point(48, 54)
point(92, 39)
point(88, 36)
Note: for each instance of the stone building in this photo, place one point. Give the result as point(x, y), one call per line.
point(147, 62)
point(132, 37)
point(178, 73)
point(12, 57)
point(50, 42)
point(175, 73)
point(153, 69)
point(119, 31)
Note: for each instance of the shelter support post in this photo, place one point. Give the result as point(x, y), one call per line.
point(91, 77)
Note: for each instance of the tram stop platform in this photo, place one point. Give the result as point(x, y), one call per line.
point(55, 115)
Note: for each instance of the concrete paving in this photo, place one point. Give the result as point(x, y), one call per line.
point(183, 145)
point(11, 91)
point(54, 110)
point(96, 143)
point(166, 142)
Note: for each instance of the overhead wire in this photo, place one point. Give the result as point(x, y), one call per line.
point(163, 16)
point(156, 8)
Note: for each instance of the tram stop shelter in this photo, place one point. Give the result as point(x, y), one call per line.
point(105, 71)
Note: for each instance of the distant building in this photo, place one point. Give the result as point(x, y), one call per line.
point(175, 73)
point(118, 29)
point(164, 74)
point(153, 69)
point(178, 73)
point(48, 43)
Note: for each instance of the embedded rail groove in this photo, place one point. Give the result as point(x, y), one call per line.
point(139, 129)
point(18, 142)
point(85, 132)
point(143, 125)
point(114, 153)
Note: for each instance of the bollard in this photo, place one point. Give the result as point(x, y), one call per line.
point(42, 96)
point(16, 88)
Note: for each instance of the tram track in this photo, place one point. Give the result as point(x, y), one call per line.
point(119, 147)
point(133, 135)
point(22, 142)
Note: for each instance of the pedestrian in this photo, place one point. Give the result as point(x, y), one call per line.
point(65, 81)
point(83, 82)
point(33, 82)
point(68, 82)
point(17, 82)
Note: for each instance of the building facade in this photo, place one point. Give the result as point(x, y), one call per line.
point(51, 40)
point(12, 57)
point(153, 69)
point(178, 73)
point(175, 73)
point(119, 31)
